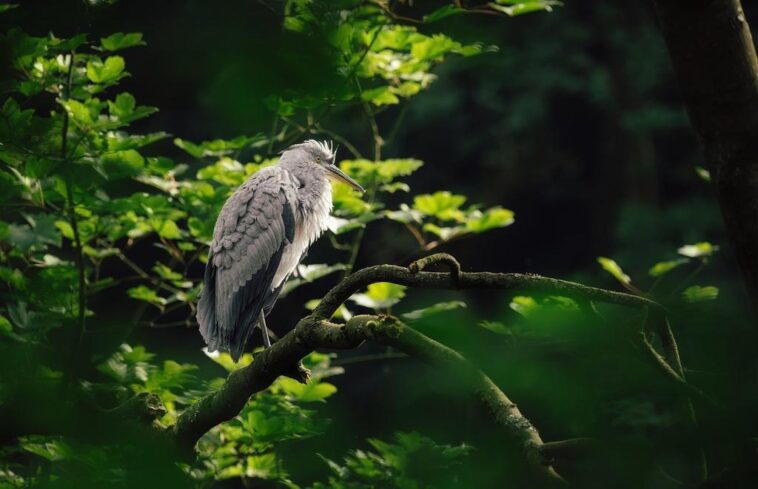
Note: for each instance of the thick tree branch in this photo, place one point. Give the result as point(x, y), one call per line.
point(470, 280)
point(315, 331)
point(311, 333)
point(712, 51)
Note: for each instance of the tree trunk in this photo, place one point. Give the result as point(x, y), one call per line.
point(712, 51)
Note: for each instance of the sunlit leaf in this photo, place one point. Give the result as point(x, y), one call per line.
point(310, 392)
point(225, 171)
point(119, 40)
point(219, 147)
point(443, 205)
point(698, 250)
point(144, 293)
point(662, 268)
point(516, 7)
point(704, 174)
point(348, 201)
point(445, 233)
point(496, 326)
point(225, 360)
point(380, 295)
point(107, 71)
point(614, 269)
point(524, 305)
point(380, 96)
point(496, 217)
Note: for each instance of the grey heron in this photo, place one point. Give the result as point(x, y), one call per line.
point(263, 231)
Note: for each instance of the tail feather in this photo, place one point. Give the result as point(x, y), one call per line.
point(206, 307)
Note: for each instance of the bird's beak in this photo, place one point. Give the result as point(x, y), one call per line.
point(341, 176)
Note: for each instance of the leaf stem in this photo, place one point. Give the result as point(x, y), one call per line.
point(66, 92)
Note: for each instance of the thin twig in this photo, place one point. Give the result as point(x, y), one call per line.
point(73, 221)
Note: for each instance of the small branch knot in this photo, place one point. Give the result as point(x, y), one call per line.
point(144, 406)
point(444, 258)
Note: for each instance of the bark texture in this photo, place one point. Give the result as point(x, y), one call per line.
point(713, 54)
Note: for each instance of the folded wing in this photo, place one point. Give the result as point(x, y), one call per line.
point(255, 226)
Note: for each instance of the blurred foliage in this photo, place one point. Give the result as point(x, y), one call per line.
point(412, 461)
point(83, 197)
point(106, 217)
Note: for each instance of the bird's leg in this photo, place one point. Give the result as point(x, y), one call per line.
point(264, 330)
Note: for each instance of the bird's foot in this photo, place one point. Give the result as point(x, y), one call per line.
point(298, 372)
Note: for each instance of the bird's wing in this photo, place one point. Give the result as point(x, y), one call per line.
point(254, 227)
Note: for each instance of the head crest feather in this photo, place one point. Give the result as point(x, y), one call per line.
point(325, 146)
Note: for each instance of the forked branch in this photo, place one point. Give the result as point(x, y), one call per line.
point(317, 332)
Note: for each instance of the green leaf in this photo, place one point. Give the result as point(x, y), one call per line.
point(497, 327)
point(310, 392)
point(431, 48)
point(614, 269)
point(380, 96)
point(124, 109)
point(52, 450)
point(514, 8)
point(380, 295)
point(442, 205)
point(704, 174)
point(225, 360)
point(166, 273)
point(347, 201)
point(370, 172)
point(225, 171)
point(82, 114)
point(219, 147)
point(524, 305)
point(445, 233)
point(144, 293)
point(123, 105)
point(443, 13)
point(697, 293)
point(432, 310)
point(5, 325)
point(119, 40)
point(7, 6)
point(663, 267)
point(532, 308)
point(395, 187)
point(265, 466)
point(107, 71)
point(119, 164)
point(168, 229)
point(405, 215)
point(496, 217)
point(44, 227)
point(698, 250)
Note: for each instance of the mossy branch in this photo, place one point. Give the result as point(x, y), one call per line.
point(317, 332)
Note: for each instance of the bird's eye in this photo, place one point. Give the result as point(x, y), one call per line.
point(318, 159)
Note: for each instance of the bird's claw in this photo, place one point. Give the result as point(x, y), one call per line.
point(298, 373)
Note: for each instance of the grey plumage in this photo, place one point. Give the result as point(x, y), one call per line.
point(262, 233)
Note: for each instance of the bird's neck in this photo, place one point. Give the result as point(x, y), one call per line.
point(315, 189)
point(308, 174)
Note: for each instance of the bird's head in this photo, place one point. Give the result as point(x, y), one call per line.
point(323, 155)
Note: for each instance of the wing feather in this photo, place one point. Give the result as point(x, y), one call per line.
point(251, 233)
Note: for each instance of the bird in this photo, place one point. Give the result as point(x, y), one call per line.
point(262, 233)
